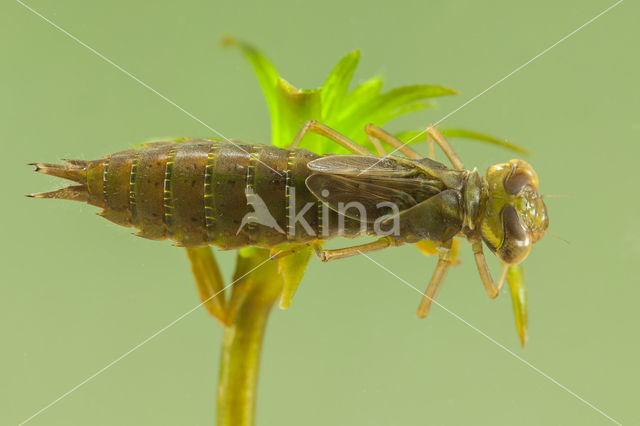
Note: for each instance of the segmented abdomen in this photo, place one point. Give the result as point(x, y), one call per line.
point(198, 192)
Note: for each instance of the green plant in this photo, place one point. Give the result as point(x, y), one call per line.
point(259, 280)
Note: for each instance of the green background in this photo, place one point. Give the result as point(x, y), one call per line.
point(77, 291)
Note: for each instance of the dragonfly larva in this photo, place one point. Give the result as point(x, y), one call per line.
point(201, 192)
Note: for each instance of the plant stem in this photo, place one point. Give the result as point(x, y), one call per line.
point(242, 344)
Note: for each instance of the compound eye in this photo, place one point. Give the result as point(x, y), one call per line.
point(521, 176)
point(513, 228)
point(517, 241)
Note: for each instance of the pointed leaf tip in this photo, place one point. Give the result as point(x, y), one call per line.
point(292, 268)
point(336, 86)
point(293, 108)
point(382, 107)
point(468, 134)
point(267, 76)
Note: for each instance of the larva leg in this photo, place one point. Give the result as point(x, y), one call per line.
point(377, 133)
point(376, 143)
point(431, 149)
point(379, 244)
point(326, 131)
point(490, 286)
point(439, 138)
point(444, 262)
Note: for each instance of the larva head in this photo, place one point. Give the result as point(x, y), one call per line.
point(515, 216)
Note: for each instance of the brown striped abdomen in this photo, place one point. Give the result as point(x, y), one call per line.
point(195, 192)
point(198, 192)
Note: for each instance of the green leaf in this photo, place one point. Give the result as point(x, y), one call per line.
point(267, 77)
point(382, 107)
point(416, 106)
point(428, 248)
point(468, 134)
point(337, 84)
point(255, 276)
point(386, 103)
point(295, 107)
point(209, 282)
point(515, 278)
point(414, 136)
point(292, 268)
point(360, 96)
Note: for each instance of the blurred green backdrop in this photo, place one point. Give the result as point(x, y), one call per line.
point(78, 291)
